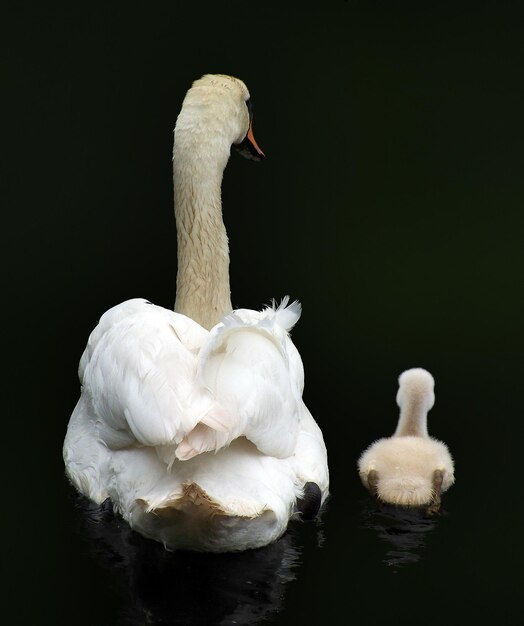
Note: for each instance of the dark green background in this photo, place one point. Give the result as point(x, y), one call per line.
point(390, 205)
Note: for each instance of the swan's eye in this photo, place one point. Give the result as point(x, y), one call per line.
point(249, 108)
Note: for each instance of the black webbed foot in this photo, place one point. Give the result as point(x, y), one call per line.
point(309, 504)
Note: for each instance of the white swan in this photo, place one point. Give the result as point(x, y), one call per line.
point(192, 422)
point(410, 468)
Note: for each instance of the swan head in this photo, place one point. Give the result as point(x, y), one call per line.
point(217, 110)
point(416, 385)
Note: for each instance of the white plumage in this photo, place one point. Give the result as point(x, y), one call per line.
point(198, 435)
point(410, 468)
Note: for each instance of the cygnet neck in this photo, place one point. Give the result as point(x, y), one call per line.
point(413, 420)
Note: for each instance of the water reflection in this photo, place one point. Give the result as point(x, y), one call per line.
point(405, 530)
point(161, 588)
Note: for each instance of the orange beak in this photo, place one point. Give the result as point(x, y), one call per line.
point(248, 147)
point(251, 138)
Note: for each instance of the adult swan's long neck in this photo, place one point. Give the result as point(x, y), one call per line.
point(199, 159)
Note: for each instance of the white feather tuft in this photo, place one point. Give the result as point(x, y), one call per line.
point(287, 315)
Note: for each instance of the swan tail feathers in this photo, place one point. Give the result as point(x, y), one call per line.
point(192, 497)
point(218, 419)
point(189, 494)
point(202, 438)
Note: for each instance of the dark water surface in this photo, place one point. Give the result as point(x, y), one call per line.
point(390, 204)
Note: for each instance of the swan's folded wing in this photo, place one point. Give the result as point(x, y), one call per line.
point(254, 373)
point(138, 370)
